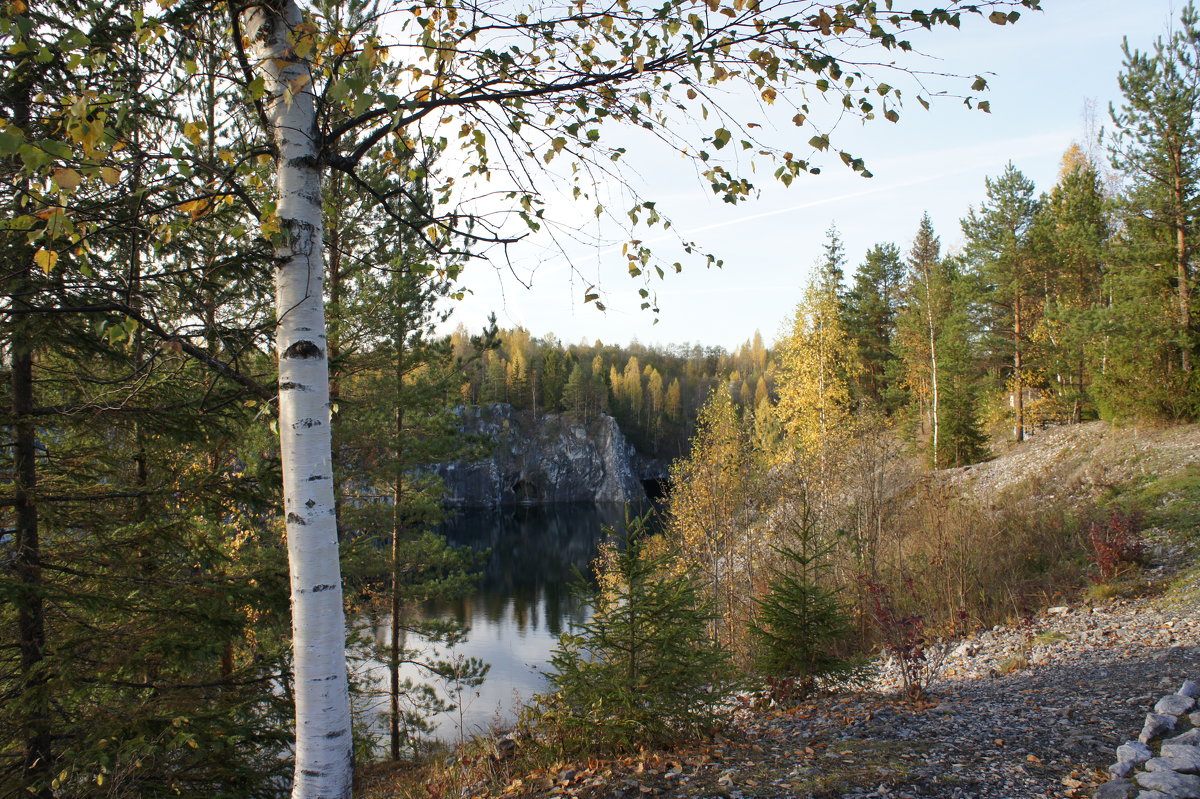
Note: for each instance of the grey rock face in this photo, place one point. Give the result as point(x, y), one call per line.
point(1122, 768)
point(1175, 704)
point(540, 460)
point(1183, 786)
point(1157, 725)
point(1134, 752)
point(1190, 688)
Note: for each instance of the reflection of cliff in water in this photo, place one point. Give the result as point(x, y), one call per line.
point(535, 554)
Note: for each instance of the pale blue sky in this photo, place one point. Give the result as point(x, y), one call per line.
point(1043, 73)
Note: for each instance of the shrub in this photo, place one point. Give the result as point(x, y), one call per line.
point(904, 638)
point(1115, 543)
point(802, 627)
point(643, 672)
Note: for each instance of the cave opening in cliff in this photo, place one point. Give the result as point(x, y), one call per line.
point(656, 488)
point(526, 491)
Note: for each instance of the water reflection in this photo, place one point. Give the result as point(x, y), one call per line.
point(522, 604)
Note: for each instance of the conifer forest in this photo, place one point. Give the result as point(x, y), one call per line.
point(234, 236)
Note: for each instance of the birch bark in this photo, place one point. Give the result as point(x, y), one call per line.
point(323, 739)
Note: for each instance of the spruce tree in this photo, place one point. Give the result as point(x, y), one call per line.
point(643, 671)
point(802, 627)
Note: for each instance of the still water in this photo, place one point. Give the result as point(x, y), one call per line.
point(523, 601)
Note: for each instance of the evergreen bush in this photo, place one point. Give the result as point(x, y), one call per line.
point(644, 670)
point(802, 627)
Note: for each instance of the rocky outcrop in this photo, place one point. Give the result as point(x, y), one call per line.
point(541, 460)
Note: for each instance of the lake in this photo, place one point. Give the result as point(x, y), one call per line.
point(521, 605)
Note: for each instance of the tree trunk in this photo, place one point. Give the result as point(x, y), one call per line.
point(1018, 373)
point(397, 529)
point(324, 748)
point(933, 365)
point(1181, 275)
point(38, 755)
point(38, 760)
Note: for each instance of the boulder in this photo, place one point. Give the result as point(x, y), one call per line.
point(1156, 726)
point(1182, 786)
point(1175, 704)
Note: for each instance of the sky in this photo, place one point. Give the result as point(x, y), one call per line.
point(1044, 74)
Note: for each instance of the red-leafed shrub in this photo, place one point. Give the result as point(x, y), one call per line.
point(1115, 543)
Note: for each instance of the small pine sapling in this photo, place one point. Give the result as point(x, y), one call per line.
point(644, 670)
point(802, 628)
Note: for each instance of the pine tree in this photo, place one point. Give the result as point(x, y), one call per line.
point(1076, 238)
point(871, 309)
point(1000, 245)
point(1157, 146)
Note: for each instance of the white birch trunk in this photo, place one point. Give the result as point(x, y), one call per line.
point(323, 739)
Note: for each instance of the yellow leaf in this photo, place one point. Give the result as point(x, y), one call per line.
point(110, 176)
point(193, 131)
point(16, 7)
point(226, 156)
point(46, 259)
point(67, 179)
point(196, 208)
point(299, 82)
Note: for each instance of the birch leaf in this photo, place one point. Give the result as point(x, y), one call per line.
point(45, 259)
point(67, 179)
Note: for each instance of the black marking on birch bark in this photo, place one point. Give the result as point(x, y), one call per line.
point(289, 386)
point(295, 519)
point(316, 589)
point(316, 477)
point(312, 772)
point(302, 349)
point(301, 236)
point(306, 423)
point(311, 502)
point(303, 162)
point(335, 734)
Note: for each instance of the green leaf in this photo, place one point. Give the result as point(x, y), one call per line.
point(721, 138)
point(998, 18)
point(819, 142)
point(10, 141)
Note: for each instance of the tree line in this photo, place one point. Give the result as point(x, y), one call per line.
point(654, 391)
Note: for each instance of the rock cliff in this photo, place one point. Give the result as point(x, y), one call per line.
point(541, 460)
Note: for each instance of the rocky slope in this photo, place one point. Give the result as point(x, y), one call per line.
point(543, 459)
